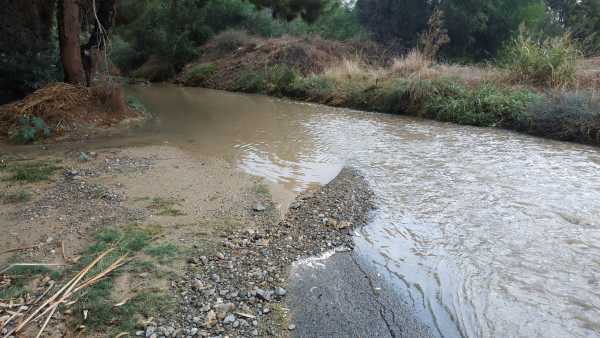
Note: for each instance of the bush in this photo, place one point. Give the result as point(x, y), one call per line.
point(447, 99)
point(542, 61)
point(248, 82)
point(281, 79)
point(567, 116)
point(199, 73)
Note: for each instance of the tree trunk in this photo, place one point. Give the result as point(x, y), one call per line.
point(92, 53)
point(67, 18)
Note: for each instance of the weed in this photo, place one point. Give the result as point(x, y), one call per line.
point(134, 103)
point(551, 61)
point(281, 79)
point(165, 206)
point(34, 171)
point(199, 73)
point(22, 277)
point(30, 129)
point(249, 82)
point(434, 36)
point(276, 321)
point(262, 191)
point(14, 197)
point(164, 251)
point(207, 248)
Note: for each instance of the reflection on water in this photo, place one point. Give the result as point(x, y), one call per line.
point(486, 232)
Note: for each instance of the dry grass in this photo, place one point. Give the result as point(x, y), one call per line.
point(350, 71)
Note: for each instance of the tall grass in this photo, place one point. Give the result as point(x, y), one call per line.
point(539, 61)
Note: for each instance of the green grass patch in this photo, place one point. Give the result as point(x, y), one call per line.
point(196, 75)
point(15, 197)
point(207, 248)
point(32, 171)
point(162, 252)
point(165, 206)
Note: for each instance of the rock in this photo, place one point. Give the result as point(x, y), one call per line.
point(255, 333)
point(139, 333)
point(264, 295)
point(211, 316)
point(279, 292)
point(220, 255)
point(292, 327)
point(332, 223)
point(150, 331)
point(193, 260)
point(221, 315)
point(259, 207)
point(229, 319)
point(226, 307)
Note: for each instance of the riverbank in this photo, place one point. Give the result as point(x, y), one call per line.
point(366, 78)
point(212, 255)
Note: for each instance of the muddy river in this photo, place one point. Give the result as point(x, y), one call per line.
point(486, 232)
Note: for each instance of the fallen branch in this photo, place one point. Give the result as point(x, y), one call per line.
point(68, 287)
point(34, 247)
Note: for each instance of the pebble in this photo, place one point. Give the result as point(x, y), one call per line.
point(259, 207)
point(279, 291)
point(229, 319)
point(150, 331)
point(292, 327)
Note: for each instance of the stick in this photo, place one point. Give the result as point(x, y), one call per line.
point(31, 247)
point(72, 282)
point(62, 246)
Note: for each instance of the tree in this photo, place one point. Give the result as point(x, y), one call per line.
point(80, 62)
point(582, 17)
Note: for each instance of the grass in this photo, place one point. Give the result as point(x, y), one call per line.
point(228, 224)
point(249, 82)
point(196, 75)
point(162, 252)
point(135, 104)
point(262, 191)
point(15, 197)
point(22, 277)
point(165, 206)
point(276, 321)
point(30, 171)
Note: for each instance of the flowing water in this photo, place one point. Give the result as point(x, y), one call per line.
point(486, 232)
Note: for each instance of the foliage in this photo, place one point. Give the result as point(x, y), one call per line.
point(30, 171)
point(199, 73)
point(536, 60)
point(249, 82)
point(582, 18)
point(134, 103)
point(572, 115)
point(29, 129)
point(23, 73)
point(281, 78)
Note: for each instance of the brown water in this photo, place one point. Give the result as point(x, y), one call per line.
point(486, 232)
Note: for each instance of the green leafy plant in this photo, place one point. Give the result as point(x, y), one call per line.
point(30, 129)
point(30, 171)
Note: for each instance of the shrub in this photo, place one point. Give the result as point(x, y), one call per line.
point(229, 40)
point(281, 78)
point(199, 73)
point(248, 82)
point(542, 61)
point(567, 116)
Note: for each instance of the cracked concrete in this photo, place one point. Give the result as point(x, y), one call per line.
point(340, 296)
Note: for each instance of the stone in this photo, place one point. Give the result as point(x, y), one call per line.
point(259, 207)
point(220, 255)
point(264, 295)
point(292, 327)
point(150, 331)
point(279, 291)
point(229, 319)
point(221, 315)
point(225, 307)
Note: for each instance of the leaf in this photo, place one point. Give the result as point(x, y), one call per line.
point(38, 122)
point(27, 133)
point(23, 120)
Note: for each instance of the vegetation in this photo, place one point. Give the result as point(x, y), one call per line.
point(30, 171)
point(30, 129)
point(165, 206)
point(196, 75)
point(14, 197)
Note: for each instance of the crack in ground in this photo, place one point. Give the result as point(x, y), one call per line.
point(381, 306)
